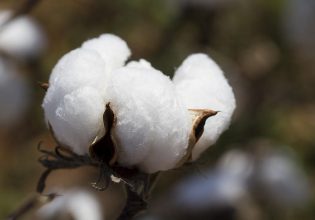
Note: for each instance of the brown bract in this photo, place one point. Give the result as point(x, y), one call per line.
point(199, 117)
point(105, 149)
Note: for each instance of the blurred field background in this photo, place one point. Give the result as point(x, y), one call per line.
point(265, 47)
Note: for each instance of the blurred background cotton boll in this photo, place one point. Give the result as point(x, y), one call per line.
point(221, 192)
point(298, 21)
point(259, 184)
point(21, 37)
point(76, 204)
point(278, 180)
point(15, 94)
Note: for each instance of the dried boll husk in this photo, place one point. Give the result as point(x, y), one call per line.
point(201, 84)
point(198, 119)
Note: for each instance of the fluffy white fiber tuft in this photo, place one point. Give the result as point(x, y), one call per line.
point(201, 84)
point(111, 48)
point(22, 37)
point(152, 128)
point(142, 63)
point(75, 101)
point(77, 203)
point(80, 67)
point(78, 119)
point(76, 98)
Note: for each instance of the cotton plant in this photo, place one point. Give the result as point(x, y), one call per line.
point(129, 115)
point(25, 27)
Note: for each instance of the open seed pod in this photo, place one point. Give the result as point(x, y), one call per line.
point(134, 116)
point(107, 148)
point(75, 100)
point(198, 117)
point(152, 125)
point(201, 84)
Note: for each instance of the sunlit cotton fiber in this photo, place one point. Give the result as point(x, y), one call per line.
point(113, 50)
point(152, 128)
point(75, 100)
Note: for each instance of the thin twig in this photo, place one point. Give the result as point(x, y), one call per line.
point(134, 205)
point(138, 185)
point(30, 204)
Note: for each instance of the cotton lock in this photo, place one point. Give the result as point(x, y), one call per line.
point(201, 84)
point(152, 129)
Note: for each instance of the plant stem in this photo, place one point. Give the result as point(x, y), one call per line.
point(134, 205)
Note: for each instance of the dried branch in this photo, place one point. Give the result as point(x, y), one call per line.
point(138, 185)
point(134, 205)
point(30, 204)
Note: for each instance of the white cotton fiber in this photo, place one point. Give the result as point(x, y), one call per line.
point(201, 84)
point(80, 67)
point(75, 100)
point(78, 203)
point(111, 48)
point(152, 126)
point(142, 63)
point(77, 119)
point(14, 94)
point(21, 37)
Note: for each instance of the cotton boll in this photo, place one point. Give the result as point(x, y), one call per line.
point(21, 37)
point(14, 94)
point(152, 127)
point(201, 84)
point(111, 48)
point(77, 203)
point(212, 190)
point(76, 118)
point(80, 67)
point(237, 163)
point(282, 182)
